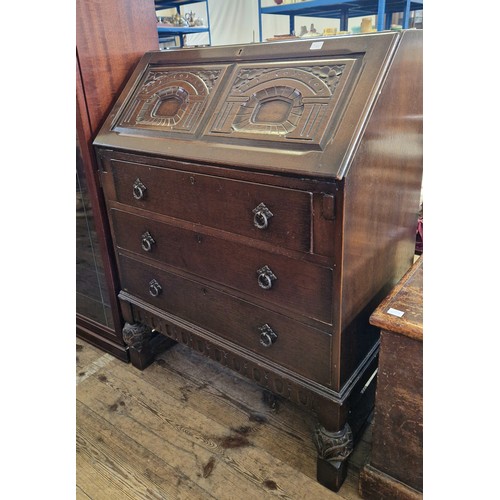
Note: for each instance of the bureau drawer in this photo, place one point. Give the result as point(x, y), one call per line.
point(273, 278)
point(297, 347)
point(276, 215)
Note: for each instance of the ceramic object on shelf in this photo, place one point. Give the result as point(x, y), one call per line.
point(366, 25)
point(329, 31)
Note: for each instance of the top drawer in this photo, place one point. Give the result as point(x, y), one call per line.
point(279, 216)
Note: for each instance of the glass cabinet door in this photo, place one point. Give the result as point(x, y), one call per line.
point(92, 294)
point(98, 318)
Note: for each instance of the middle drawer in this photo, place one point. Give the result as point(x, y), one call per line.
point(273, 278)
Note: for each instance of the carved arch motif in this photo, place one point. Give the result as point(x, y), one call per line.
point(170, 100)
point(283, 103)
point(165, 108)
point(273, 110)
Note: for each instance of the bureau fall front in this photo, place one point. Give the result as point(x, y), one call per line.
point(262, 201)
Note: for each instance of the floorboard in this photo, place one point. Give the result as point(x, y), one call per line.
point(189, 428)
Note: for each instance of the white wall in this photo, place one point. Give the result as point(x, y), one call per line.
point(231, 21)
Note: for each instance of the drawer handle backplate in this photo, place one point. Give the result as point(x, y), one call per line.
point(267, 336)
point(154, 288)
point(138, 189)
point(265, 278)
point(147, 242)
point(261, 217)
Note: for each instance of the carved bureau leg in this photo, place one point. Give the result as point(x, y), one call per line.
point(144, 344)
point(333, 450)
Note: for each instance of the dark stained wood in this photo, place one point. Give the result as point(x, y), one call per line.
point(233, 171)
point(337, 84)
point(100, 336)
point(208, 308)
point(144, 344)
point(382, 192)
point(378, 486)
point(396, 460)
point(111, 36)
point(229, 263)
point(323, 140)
point(220, 203)
point(111, 337)
point(407, 297)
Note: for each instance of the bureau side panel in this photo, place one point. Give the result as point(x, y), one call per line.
point(381, 201)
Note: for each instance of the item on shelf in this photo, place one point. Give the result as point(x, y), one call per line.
point(311, 33)
point(174, 29)
point(176, 21)
point(192, 20)
point(345, 10)
point(277, 38)
point(329, 31)
point(396, 27)
point(366, 25)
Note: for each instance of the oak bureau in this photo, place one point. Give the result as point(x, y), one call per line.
point(263, 200)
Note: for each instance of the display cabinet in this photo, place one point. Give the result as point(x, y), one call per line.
point(111, 36)
point(166, 33)
point(342, 10)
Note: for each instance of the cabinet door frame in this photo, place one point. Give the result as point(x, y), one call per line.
point(86, 328)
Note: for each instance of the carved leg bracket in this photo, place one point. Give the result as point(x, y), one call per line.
point(333, 450)
point(143, 344)
point(136, 335)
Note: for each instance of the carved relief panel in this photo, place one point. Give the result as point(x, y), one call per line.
point(282, 102)
point(170, 99)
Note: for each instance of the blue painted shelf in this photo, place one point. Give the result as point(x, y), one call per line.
point(343, 10)
point(166, 33)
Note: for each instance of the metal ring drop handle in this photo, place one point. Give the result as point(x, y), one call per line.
point(138, 189)
point(261, 217)
point(154, 288)
point(265, 278)
point(147, 242)
point(267, 336)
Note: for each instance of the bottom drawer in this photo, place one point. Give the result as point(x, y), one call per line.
point(278, 338)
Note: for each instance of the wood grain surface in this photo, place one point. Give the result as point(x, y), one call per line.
point(187, 428)
point(395, 468)
point(407, 298)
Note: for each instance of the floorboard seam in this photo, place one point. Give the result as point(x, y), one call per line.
point(94, 367)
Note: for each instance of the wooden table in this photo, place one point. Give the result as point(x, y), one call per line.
point(395, 467)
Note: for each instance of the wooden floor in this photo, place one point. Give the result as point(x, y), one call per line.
point(188, 428)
